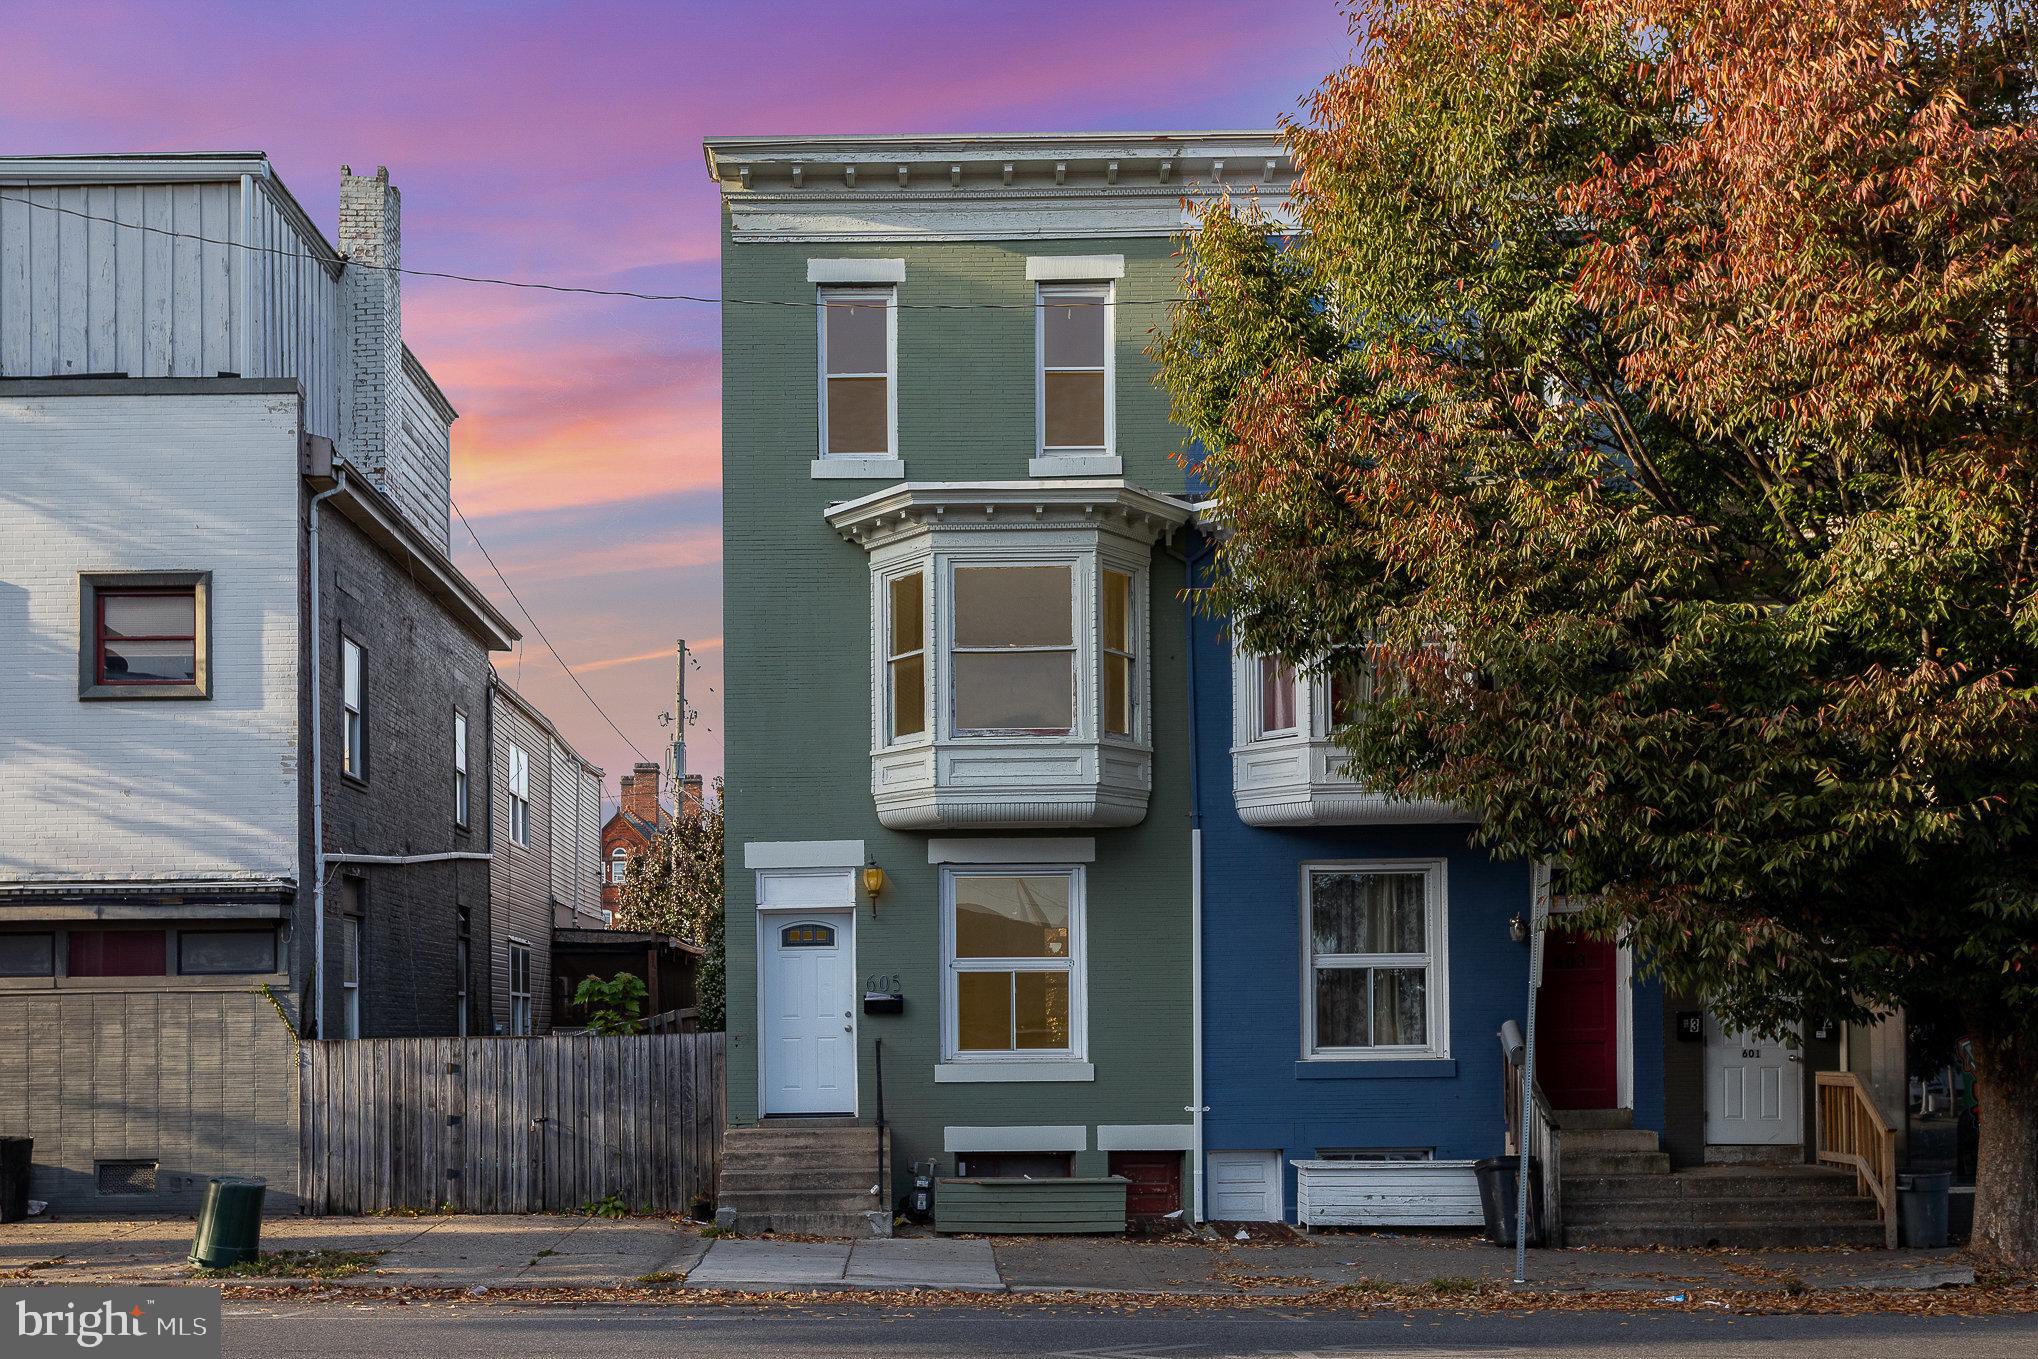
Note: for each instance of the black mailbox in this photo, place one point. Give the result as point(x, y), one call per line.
point(883, 1003)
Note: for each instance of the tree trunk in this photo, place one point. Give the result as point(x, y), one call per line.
point(2006, 1167)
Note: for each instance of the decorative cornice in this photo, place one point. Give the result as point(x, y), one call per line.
point(1031, 186)
point(1108, 504)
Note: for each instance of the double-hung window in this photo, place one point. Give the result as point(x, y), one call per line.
point(1274, 699)
point(519, 797)
point(519, 988)
point(1013, 940)
point(350, 975)
point(460, 785)
point(1013, 654)
point(353, 710)
point(1376, 966)
point(859, 398)
point(906, 657)
point(1117, 641)
point(619, 866)
point(1074, 393)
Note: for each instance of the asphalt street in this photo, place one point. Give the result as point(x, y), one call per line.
point(314, 1331)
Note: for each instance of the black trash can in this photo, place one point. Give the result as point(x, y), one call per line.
point(229, 1221)
point(17, 1154)
point(1499, 1190)
point(1921, 1201)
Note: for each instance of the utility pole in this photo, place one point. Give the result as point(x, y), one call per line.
point(677, 757)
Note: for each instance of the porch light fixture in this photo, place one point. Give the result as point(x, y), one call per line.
point(873, 883)
point(1517, 928)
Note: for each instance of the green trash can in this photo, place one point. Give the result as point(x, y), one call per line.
point(229, 1221)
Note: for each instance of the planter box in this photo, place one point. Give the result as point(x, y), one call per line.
point(1387, 1194)
point(1017, 1207)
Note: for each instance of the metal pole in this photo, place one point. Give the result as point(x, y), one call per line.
point(1539, 914)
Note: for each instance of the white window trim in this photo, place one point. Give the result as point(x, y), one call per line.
point(463, 788)
point(1059, 456)
point(1074, 268)
point(619, 866)
point(519, 797)
point(1077, 969)
point(350, 991)
point(928, 669)
point(1297, 701)
point(854, 293)
point(353, 709)
point(1436, 961)
point(1084, 649)
point(866, 272)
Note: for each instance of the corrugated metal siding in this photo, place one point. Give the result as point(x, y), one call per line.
point(85, 296)
point(297, 314)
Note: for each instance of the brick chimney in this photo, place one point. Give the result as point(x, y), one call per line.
point(371, 238)
point(690, 795)
point(640, 794)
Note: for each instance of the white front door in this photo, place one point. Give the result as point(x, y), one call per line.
point(809, 1039)
point(1754, 1088)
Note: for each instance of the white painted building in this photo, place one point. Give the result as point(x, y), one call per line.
point(244, 765)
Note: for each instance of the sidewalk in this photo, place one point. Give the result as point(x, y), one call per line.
point(558, 1252)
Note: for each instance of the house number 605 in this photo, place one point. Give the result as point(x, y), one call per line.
point(886, 984)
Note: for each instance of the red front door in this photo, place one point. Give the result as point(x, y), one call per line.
point(1577, 1028)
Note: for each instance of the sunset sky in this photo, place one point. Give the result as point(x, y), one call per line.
point(561, 141)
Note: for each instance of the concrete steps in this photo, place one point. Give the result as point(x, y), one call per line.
point(813, 1177)
point(1619, 1190)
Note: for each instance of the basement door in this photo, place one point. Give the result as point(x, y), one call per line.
point(809, 1029)
point(1754, 1089)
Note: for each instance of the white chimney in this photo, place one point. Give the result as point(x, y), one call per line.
point(371, 238)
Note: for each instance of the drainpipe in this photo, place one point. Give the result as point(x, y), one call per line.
point(1539, 919)
point(445, 857)
point(1196, 1108)
point(318, 802)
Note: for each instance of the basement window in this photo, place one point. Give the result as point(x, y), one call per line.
point(124, 1179)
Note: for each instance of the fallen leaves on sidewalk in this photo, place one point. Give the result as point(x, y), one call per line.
point(1981, 1299)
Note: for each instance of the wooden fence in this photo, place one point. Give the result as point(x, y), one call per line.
point(511, 1125)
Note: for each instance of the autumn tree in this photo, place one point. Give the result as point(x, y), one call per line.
point(675, 887)
point(1644, 391)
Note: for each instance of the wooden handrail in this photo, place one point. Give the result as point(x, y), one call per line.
point(1853, 1135)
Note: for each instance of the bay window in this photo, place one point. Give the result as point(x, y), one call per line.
point(1013, 963)
point(1008, 620)
point(1014, 650)
point(906, 656)
point(1376, 961)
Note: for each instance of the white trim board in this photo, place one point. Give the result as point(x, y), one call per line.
point(1039, 1137)
point(1012, 1072)
point(1024, 849)
point(1074, 268)
point(1146, 1137)
point(803, 854)
point(856, 271)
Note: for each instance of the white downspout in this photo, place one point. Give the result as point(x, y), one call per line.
point(1196, 1107)
point(318, 804)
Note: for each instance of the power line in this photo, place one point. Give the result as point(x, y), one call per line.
point(541, 631)
point(536, 286)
